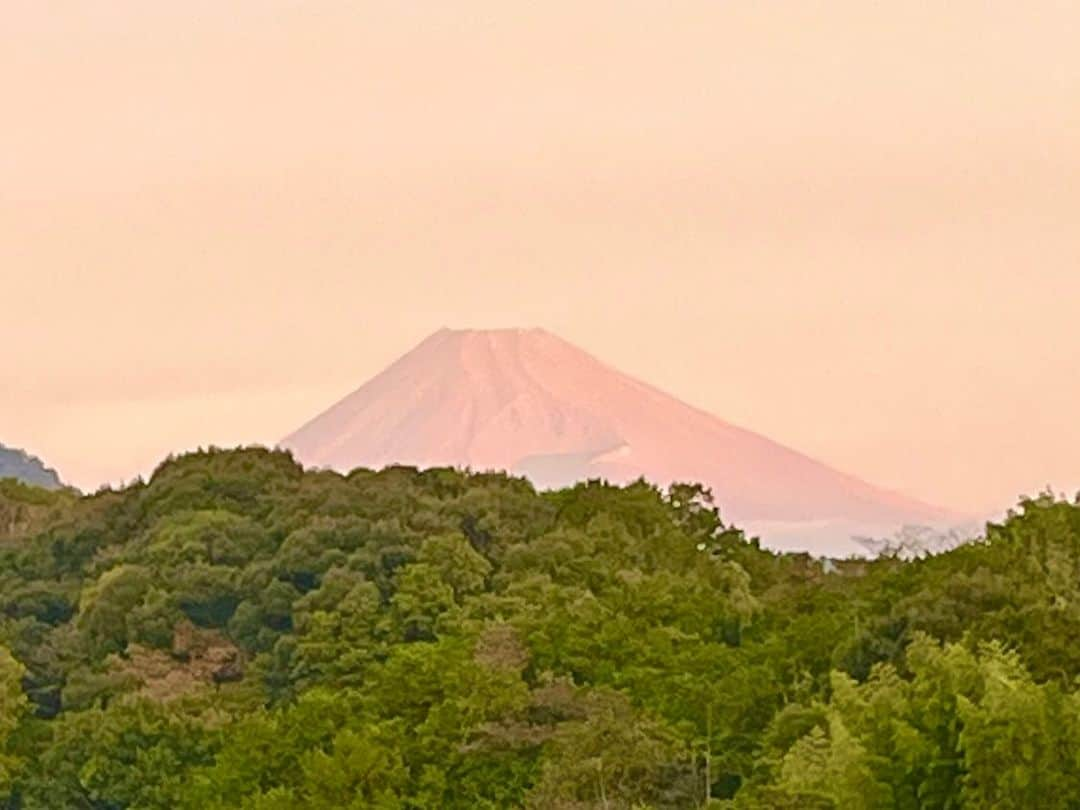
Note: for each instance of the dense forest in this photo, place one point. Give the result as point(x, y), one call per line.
point(239, 633)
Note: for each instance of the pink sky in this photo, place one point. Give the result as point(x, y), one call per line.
point(853, 227)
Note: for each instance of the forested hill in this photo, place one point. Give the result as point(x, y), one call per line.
point(23, 467)
point(239, 633)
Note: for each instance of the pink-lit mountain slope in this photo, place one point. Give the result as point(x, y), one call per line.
point(529, 402)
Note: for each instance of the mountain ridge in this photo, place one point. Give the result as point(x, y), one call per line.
point(28, 469)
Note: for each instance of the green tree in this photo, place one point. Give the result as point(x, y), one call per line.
point(13, 707)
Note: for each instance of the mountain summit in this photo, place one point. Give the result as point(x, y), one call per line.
point(526, 401)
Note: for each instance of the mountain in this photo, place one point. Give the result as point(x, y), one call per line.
point(531, 403)
point(23, 467)
point(912, 542)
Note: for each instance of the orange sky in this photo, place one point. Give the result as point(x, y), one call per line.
point(852, 226)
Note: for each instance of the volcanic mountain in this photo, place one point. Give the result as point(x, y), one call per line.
point(528, 402)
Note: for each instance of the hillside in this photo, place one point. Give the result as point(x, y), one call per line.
point(530, 403)
point(240, 633)
point(23, 467)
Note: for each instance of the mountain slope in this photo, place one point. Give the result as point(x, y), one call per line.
point(23, 467)
point(529, 402)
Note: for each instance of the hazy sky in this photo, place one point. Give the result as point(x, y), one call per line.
point(853, 226)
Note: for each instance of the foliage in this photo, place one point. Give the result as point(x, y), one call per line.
point(239, 633)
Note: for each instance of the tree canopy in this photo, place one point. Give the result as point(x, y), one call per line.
point(237, 632)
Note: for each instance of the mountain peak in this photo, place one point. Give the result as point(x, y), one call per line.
point(529, 402)
point(495, 336)
point(495, 332)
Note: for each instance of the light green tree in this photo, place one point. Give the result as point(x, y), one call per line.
point(13, 706)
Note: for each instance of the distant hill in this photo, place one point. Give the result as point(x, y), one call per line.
point(28, 469)
point(526, 401)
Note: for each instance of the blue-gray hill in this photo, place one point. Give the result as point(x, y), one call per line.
point(28, 469)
